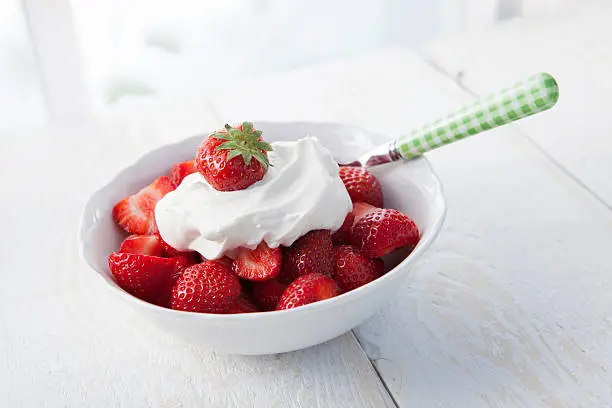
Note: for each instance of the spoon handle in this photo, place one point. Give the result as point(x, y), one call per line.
point(535, 94)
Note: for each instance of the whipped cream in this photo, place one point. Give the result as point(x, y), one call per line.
point(300, 192)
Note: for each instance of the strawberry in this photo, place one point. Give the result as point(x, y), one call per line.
point(361, 185)
point(383, 230)
point(207, 287)
point(259, 264)
point(135, 214)
point(181, 170)
point(225, 158)
point(171, 252)
point(343, 235)
point(311, 253)
point(353, 269)
point(308, 289)
point(360, 209)
point(241, 305)
point(144, 276)
point(182, 261)
point(225, 261)
point(142, 244)
point(267, 294)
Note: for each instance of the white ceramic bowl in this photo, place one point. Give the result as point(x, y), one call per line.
point(411, 187)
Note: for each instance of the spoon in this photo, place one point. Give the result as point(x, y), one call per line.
point(528, 97)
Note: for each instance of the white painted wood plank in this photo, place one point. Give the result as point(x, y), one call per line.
point(63, 339)
point(510, 308)
point(574, 45)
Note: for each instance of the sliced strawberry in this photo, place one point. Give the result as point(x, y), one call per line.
point(343, 235)
point(207, 287)
point(181, 170)
point(308, 289)
point(382, 231)
point(144, 276)
point(259, 264)
point(136, 213)
point(142, 244)
point(353, 269)
point(361, 185)
point(241, 305)
point(233, 159)
point(311, 253)
point(267, 294)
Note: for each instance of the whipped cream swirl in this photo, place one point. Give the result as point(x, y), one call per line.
point(300, 192)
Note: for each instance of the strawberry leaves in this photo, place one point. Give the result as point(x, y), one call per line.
point(244, 141)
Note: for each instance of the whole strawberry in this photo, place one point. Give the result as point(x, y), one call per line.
point(207, 287)
point(361, 185)
point(311, 253)
point(233, 159)
point(308, 289)
point(353, 270)
point(147, 277)
point(383, 230)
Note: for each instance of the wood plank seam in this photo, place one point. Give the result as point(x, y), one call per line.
point(457, 81)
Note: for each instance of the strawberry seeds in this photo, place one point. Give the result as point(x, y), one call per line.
point(319, 265)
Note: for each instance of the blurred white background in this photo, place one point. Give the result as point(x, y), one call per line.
point(67, 59)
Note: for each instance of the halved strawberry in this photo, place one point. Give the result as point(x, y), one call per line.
point(343, 235)
point(136, 213)
point(311, 253)
point(207, 287)
point(353, 269)
point(382, 231)
point(181, 170)
point(361, 185)
point(267, 294)
point(144, 276)
point(308, 289)
point(259, 264)
point(233, 159)
point(241, 305)
point(142, 244)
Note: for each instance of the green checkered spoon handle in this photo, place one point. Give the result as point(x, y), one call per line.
point(535, 94)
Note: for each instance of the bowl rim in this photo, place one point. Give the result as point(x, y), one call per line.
point(343, 298)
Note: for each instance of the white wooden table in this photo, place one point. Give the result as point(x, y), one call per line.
point(509, 308)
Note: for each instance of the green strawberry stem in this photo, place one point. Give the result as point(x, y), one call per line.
point(246, 143)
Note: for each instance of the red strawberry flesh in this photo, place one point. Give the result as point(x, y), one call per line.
point(142, 244)
point(144, 276)
point(136, 213)
point(259, 264)
point(181, 170)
